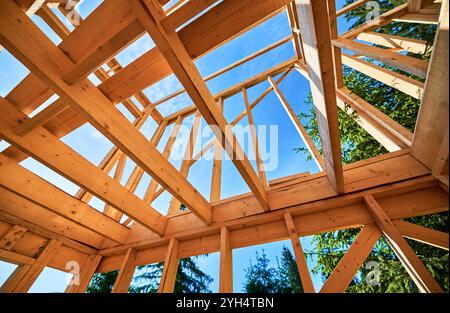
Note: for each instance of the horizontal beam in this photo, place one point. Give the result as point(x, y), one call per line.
point(402, 62)
point(55, 154)
point(24, 183)
point(406, 199)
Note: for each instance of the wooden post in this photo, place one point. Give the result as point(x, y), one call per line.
point(226, 262)
point(305, 276)
point(169, 274)
point(413, 265)
point(126, 272)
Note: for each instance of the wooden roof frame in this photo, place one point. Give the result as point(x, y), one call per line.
point(41, 225)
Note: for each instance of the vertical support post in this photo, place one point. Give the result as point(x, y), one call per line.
point(216, 178)
point(87, 271)
point(169, 274)
point(24, 276)
point(126, 272)
point(187, 160)
point(305, 276)
point(314, 26)
point(226, 262)
point(251, 122)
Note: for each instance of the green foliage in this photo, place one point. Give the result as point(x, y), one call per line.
point(358, 145)
point(260, 278)
point(190, 279)
point(102, 282)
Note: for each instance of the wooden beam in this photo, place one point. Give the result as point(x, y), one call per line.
point(314, 26)
point(405, 84)
point(184, 13)
point(226, 262)
point(413, 265)
point(126, 272)
point(394, 42)
point(47, 224)
point(42, 117)
point(352, 261)
point(372, 24)
point(405, 63)
point(300, 259)
point(16, 258)
point(74, 167)
point(422, 234)
point(37, 267)
point(175, 204)
point(315, 153)
point(216, 176)
point(47, 61)
point(400, 200)
point(432, 122)
point(85, 275)
point(385, 130)
point(184, 68)
point(255, 141)
point(169, 274)
point(13, 235)
point(26, 184)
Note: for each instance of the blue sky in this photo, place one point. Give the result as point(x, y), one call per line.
point(93, 146)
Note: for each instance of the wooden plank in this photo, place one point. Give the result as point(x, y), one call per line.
point(402, 200)
point(229, 19)
point(14, 278)
point(405, 84)
point(16, 258)
point(380, 21)
point(385, 130)
point(175, 204)
point(314, 26)
point(43, 57)
point(352, 261)
point(405, 63)
point(418, 18)
point(184, 68)
point(394, 42)
point(26, 184)
point(413, 265)
point(422, 234)
point(314, 152)
point(226, 262)
point(74, 167)
point(350, 7)
point(16, 210)
point(300, 259)
point(42, 117)
point(126, 272)
point(85, 276)
point(38, 266)
point(53, 21)
point(169, 274)
point(216, 175)
point(104, 33)
point(432, 122)
point(184, 13)
point(13, 235)
point(255, 142)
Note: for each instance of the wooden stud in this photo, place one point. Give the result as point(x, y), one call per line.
point(353, 259)
point(226, 262)
point(300, 258)
point(413, 265)
point(169, 274)
point(126, 272)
